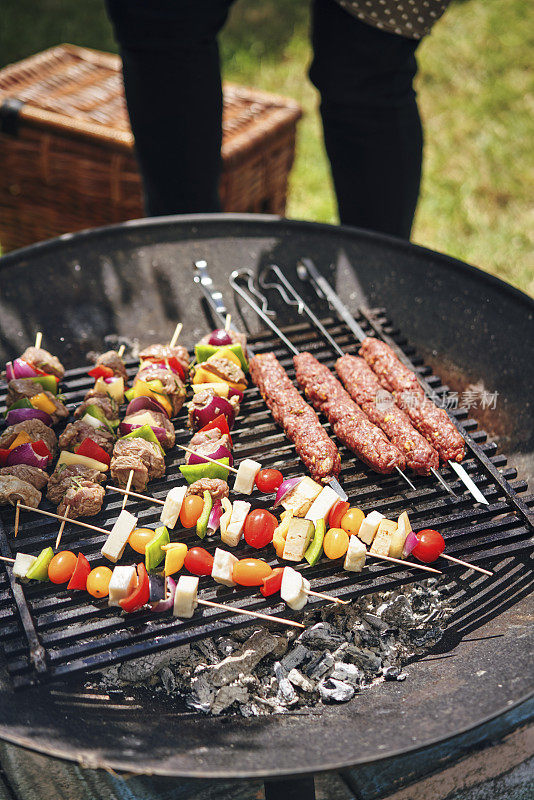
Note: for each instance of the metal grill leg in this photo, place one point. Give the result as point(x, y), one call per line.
point(290, 789)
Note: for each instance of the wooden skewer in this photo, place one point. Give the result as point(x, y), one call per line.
point(235, 610)
point(9, 560)
point(405, 563)
point(17, 517)
point(327, 597)
point(176, 334)
point(466, 564)
point(61, 527)
point(120, 351)
point(38, 339)
point(227, 322)
point(206, 458)
point(58, 516)
point(136, 494)
point(129, 483)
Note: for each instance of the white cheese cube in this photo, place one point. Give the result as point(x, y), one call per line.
point(355, 557)
point(223, 567)
point(185, 598)
point(369, 526)
point(116, 542)
point(294, 589)
point(123, 582)
point(234, 529)
point(246, 475)
point(398, 537)
point(380, 545)
point(322, 504)
point(300, 499)
point(173, 505)
point(22, 564)
point(299, 534)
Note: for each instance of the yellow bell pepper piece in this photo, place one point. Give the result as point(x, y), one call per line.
point(143, 389)
point(226, 353)
point(280, 533)
point(43, 402)
point(203, 376)
point(21, 438)
point(174, 557)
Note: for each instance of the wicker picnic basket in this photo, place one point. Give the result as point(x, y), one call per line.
point(66, 148)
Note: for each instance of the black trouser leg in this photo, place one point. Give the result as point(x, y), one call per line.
point(173, 90)
point(372, 129)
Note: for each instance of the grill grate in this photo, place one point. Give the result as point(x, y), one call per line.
point(49, 633)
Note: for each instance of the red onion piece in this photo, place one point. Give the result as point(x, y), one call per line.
point(215, 517)
point(166, 605)
point(220, 452)
point(112, 378)
point(144, 404)
point(285, 488)
point(219, 338)
point(217, 405)
point(409, 544)
point(23, 370)
point(10, 374)
point(235, 393)
point(17, 415)
point(25, 454)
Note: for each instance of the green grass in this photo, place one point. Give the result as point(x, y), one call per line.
point(476, 95)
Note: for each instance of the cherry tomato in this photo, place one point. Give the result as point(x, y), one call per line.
point(62, 566)
point(431, 545)
point(268, 480)
point(198, 561)
point(139, 538)
point(336, 543)
point(336, 513)
point(191, 510)
point(251, 572)
point(259, 528)
point(352, 520)
point(98, 581)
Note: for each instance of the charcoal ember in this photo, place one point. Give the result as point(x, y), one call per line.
point(296, 656)
point(207, 651)
point(281, 648)
point(227, 646)
point(394, 674)
point(319, 666)
point(254, 649)
point(301, 681)
point(140, 669)
point(321, 636)
point(250, 710)
point(286, 694)
point(361, 656)
point(227, 695)
point(168, 680)
point(347, 673)
point(334, 691)
point(202, 694)
point(398, 613)
point(366, 636)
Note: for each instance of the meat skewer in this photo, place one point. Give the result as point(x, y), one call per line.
point(307, 271)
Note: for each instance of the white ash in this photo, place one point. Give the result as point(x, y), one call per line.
point(259, 671)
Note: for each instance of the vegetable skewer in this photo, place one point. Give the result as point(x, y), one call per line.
point(61, 528)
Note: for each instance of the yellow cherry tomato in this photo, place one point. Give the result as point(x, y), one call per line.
point(351, 521)
point(139, 538)
point(98, 581)
point(174, 557)
point(250, 571)
point(336, 543)
point(191, 510)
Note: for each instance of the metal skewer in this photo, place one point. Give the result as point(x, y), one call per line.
point(263, 314)
point(306, 270)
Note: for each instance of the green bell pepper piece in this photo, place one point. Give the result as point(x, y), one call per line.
point(97, 413)
point(154, 555)
point(194, 472)
point(129, 394)
point(204, 351)
point(22, 403)
point(39, 569)
point(48, 382)
point(202, 521)
point(144, 432)
point(315, 548)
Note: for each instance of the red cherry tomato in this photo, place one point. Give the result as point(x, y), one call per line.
point(431, 545)
point(198, 561)
point(191, 510)
point(251, 571)
point(337, 511)
point(268, 480)
point(62, 566)
point(259, 527)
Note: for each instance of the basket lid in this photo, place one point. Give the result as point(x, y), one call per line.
point(79, 91)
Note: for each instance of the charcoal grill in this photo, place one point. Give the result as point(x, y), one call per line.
point(144, 270)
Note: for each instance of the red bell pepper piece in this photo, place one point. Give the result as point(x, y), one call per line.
point(101, 372)
point(273, 582)
point(93, 450)
point(41, 449)
point(141, 594)
point(82, 569)
point(221, 423)
point(3, 457)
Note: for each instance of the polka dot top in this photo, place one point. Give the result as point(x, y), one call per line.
point(410, 18)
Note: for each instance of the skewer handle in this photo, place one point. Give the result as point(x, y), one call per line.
point(176, 334)
point(227, 322)
point(466, 564)
point(246, 611)
point(17, 518)
point(120, 351)
point(327, 597)
point(405, 563)
point(207, 458)
point(136, 494)
point(38, 339)
point(61, 527)
point(9, 560)
point(57, 516)
point(128, 485)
